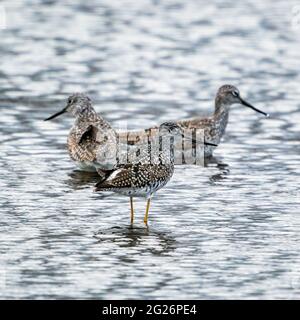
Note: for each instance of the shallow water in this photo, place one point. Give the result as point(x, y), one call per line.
point(229, 230)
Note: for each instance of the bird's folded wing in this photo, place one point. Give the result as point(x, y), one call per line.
point(134, 175)
point(196, 123)
point(137, 137)
point(89, 134)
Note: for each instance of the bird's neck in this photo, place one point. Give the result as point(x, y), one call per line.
point(86, 114)
point(221, 110)
point(167, 149)
point(221, 116)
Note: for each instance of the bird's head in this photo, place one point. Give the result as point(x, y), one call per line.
point(77, 104)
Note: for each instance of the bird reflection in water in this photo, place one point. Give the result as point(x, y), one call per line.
point(81, 179)
point(161, 243)
point(222, 167)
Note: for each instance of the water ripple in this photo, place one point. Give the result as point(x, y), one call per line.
point(227, 230)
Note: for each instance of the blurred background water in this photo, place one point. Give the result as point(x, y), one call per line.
point(229, 230)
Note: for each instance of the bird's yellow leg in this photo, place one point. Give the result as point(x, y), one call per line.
point(147, 212)
point(131, 211)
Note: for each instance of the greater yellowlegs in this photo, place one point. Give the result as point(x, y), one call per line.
point(149, 172)
point(92, 140)
point(213, 126)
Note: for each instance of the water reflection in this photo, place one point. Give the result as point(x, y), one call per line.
point(226, 230)
point(80, 180)
point(149, 240)
point(223, 169)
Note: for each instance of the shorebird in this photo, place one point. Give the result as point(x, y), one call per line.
point(92, 140)
point(150, 172)
point(213, 126)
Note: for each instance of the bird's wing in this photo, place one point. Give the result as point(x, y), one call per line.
point(137, 137)
point(196, 123)
point(80, 146)
point(142, 136)
point(206, 126)
point(89, 135)
point(134, 175)
point(90, 142)
point(98, 132)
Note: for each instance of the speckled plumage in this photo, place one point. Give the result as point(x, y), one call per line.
point(150, 171)
point(138, 180)
point(214, 126)
point(91, 141)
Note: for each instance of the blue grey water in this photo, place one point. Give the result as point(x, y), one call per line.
point(228, 230)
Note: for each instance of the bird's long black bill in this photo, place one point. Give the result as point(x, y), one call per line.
point(199, 141)
point(210, 144)
point(56, 114)
point(205, 143)
point(245, 103)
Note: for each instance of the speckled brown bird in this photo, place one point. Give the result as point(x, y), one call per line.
point(214, 126)
point(149, 172)
point(92, 140)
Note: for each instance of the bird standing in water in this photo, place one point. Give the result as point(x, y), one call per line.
point(213, 126)
point(92, 140)
point(150, 172)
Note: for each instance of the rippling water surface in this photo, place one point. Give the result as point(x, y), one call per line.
point(227, 230)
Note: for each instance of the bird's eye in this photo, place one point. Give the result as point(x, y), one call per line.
point(69, 100)
point(235, 93)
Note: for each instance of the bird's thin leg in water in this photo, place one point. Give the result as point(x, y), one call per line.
point(147, 211)
point(131, 211)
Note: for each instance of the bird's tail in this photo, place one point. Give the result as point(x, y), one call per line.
point(102, 185)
